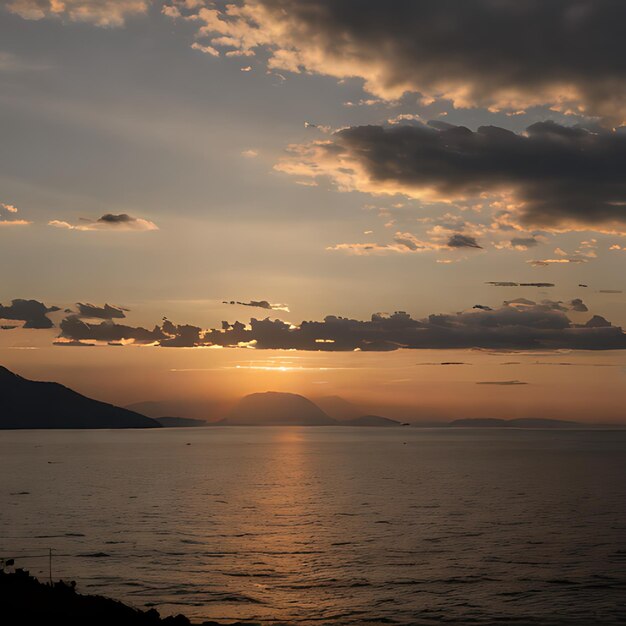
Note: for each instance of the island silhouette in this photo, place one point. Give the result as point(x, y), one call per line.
point(274, 408)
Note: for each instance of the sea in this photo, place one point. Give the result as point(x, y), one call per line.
point(326, 525)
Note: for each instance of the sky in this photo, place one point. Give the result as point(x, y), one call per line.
point(417, 206)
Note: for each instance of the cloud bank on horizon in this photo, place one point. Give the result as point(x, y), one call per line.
point(519, 324)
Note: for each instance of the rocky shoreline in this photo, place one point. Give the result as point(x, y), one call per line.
point(26, 600)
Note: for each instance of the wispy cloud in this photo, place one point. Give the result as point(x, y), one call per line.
point(104, 13)
point(260, 304)
point(108, 222)
point(407, 243)
point(11, 210)
point(502, 383)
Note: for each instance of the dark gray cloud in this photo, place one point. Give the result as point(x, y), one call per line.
point(578, 305)
point(31, 312)
point(524, 242)
point(180, 336)
point(561, 177)
point(504, 383)
point(445, 363)
point(121, 218)
point(597, 321)
point(407, 242)
point(75, 329)
point(498, 283)
point(107, 312)
point(519, 301)
point(108, 222)
point(552, 305)
point(458, 240)
point(502, 54)
point(518, 325)
point(570, 364)
point(260, 304)
point(74, 343)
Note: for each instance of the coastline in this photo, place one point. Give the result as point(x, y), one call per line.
point(26, 600)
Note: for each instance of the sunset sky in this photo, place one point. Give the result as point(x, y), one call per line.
point(419, 206)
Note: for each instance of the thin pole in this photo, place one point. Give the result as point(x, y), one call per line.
point(50, 564)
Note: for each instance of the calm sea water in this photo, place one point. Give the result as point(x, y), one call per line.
point(327, 525)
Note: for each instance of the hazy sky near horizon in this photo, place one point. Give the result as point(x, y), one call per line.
point(192, 162)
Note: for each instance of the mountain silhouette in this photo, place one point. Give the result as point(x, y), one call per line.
point(521, 422)
point(201, 409)
point(180, 422)
point(371, 420)
point(273, 408)
point(31, 404)
point(339, 408)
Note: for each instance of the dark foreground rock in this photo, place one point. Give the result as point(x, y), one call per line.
point(24, 600)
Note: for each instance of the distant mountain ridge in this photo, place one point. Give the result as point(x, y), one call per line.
point(180, 422)
point(371, 420)
point(188, 408)
point(339, 408)
point(274, 408)
point(28, 404)
point(521, 422)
